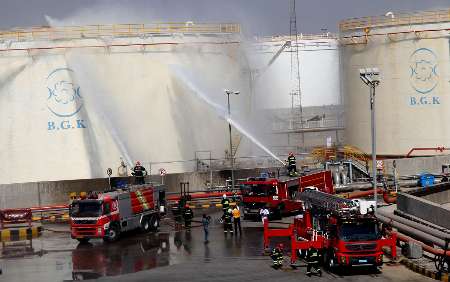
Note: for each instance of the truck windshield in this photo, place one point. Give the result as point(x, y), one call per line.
point(259, 190)
point(359, 231)
point(86, 209)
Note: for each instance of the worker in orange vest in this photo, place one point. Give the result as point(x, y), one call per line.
point(237, 220)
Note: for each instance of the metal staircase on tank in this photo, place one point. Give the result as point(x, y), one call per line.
point(354, 160)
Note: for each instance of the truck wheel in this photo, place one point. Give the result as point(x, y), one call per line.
point(83, 240)
point(330, 261)
point(112, 234)
point(154, 223)
point(145, 225)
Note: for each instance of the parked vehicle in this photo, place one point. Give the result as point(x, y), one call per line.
point(106, 215)
point(279, 194)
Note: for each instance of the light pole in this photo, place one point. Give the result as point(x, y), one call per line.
point(228, 92)
point(370, 76)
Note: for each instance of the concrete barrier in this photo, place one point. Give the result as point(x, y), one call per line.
point(58, 192)
point(420, 203)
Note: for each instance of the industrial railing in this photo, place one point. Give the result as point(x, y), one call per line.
point(393, 19)
point(301, 36)
point(115, 30)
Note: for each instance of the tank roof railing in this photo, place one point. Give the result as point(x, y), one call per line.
point(301, 36)
point(116, 30)
point(393, 19)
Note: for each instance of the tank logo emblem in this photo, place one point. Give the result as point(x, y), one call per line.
point(423, 70)
point(64, 99)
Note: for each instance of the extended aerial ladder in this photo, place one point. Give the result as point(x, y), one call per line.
point(328, 203)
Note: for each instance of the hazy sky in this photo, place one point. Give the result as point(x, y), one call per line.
point(259, 17)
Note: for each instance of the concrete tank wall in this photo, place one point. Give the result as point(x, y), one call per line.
point(412, 100)
point(69, 109)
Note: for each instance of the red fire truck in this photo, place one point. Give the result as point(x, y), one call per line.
point(106, 215)
point(346, 234)
point(279, 195)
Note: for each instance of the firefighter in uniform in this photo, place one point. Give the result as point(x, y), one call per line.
point(188, 215)
point(312, 260)
point(227, 221)
point(291, 165)
point(139, 172)
point(225, 203)
point(277, 256)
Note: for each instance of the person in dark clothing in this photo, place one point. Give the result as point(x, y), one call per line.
point(292, 165)
point(205, 222)
point(312, 260)
point(225, 203)
point(139, 172)
point(227, 221)
point(277, 256)
point(188, 215)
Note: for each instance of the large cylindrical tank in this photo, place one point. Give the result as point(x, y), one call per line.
point(74, 100)
point(275, 63)
point(412, 100)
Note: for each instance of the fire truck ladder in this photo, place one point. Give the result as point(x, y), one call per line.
point(328, 202)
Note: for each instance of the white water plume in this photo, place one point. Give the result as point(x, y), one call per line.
point(220, 110)
point(95, 99)
point(253, 139)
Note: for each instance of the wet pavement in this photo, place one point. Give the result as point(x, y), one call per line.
point(171, 255)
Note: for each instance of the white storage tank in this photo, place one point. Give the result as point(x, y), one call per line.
point(318, 64)
point(412, 101)
point(74, 100)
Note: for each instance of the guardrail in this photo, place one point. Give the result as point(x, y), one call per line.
point(301, 36)
point(392, 19)
point(115, 30)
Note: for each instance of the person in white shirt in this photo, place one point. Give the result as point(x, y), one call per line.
point(264, 213)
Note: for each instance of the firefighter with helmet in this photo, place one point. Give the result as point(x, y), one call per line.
point(291, 165)
point(227, 218)
point(312, 260)
point(225, 203)
point(277, 256)
point(139, 173)
point(188, 215)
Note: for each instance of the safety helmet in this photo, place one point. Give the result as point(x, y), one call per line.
point(138, 163)
point(280, 246)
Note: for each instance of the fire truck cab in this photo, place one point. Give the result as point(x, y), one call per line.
point(106, 215)
point(279, 195)
point(346, 235)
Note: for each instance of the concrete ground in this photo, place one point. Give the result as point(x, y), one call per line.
point(169, 255)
